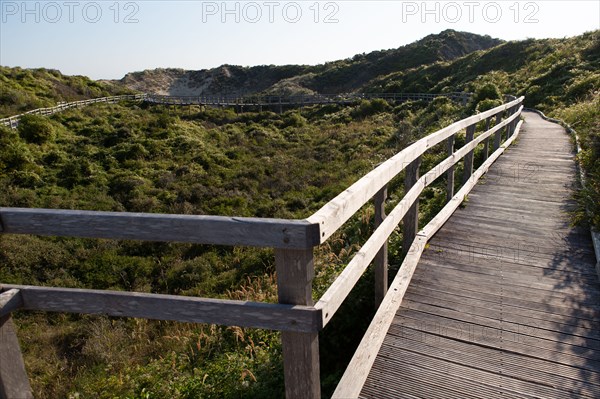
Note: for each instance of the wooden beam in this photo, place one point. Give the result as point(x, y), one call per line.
point(295, 272)
point(14, 382)
point(410, 222)
point(201, 229)
point(468, 166)
point(170, 307)
point(450, 173)
point(486, 145)
point(498, 135)
point(381, 259)
point(10, 301)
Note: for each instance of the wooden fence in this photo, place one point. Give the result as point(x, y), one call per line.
point(13, 121)
point(296, 315)
point(241, 101)
point(300, 99)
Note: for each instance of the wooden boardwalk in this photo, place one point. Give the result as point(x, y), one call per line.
point(505, 301)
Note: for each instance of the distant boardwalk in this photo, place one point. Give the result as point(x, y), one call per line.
point(505, 301)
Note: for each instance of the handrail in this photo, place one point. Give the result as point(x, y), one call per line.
point(266, 100)
point(295, 315)
point(13, 121)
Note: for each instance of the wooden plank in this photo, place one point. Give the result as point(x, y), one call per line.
point(478, 334)
point(10, 301)
point(170, 307)
point(381, 259)
point(438, 221)
point(295, 272)
point(202, 229)
point(495, 320)
point(357, 371)
point(14, 382)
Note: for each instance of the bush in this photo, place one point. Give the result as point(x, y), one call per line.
point(367, 108)
point(36, 129)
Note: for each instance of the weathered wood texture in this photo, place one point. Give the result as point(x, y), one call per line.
point(169, 307)
point(381, 259)
point(10, 301)
point(219, 230)
point(410, 222)
point(505, 302)
point(14, 383)
point(295, 272)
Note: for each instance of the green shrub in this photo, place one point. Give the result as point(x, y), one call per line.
point(36, 129)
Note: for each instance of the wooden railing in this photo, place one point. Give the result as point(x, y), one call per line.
point(296, 315)
point(13, 121)
point(300, 99)
point(240, 101)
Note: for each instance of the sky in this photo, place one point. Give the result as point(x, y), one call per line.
point(107, 39)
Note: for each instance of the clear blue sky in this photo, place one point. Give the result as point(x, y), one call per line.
point(107, 39)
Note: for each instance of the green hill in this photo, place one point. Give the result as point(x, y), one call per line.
point(333, 77)
point(25, 89)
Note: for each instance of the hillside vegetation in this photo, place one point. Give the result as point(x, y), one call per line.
point(141, 158)
point(138, 158)
point(25, 89)
point(333, 77)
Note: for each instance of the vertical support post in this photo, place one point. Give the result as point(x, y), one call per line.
point(450, 172)
point(295, 272)
point(486, 142)
point(381, 259)
point(14, 382)
point(513, 124)
point(510, 126)
point(468, 171)
point(498, 134)
point(411, 219)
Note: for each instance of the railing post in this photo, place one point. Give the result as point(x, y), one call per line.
point(14, 382)
point(295, 272)
point(498, 134)
point(468, 171)
point(381, 259)
point(486, 142)
point(510, 127)
point(411, 219)
point(450, 172)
